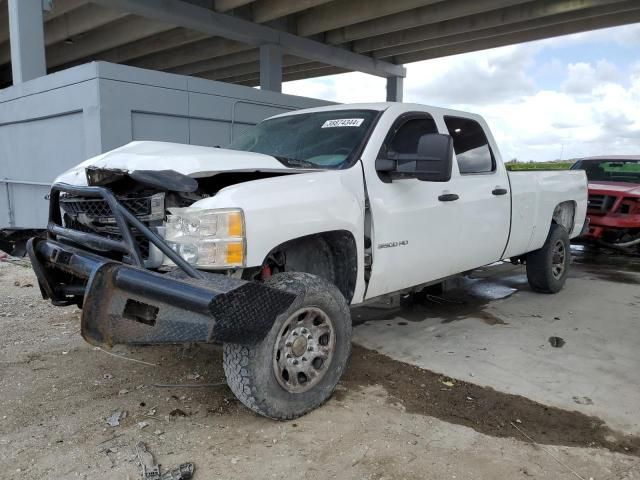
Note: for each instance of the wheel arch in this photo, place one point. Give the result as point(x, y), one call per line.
point(332, 255)
point(564, 214)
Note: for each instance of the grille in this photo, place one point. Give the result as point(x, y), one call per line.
point(98, 208)
point(94, 216)
point(601, 203)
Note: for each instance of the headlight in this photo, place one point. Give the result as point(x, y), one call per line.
point(207, 238)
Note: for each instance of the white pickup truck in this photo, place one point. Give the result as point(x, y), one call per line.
point(263, 246)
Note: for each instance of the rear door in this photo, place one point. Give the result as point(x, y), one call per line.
point(484, 205)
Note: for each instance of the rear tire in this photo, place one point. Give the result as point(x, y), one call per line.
point(548, 267)
point(296, 367)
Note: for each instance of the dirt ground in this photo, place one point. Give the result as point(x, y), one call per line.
point(387, 420)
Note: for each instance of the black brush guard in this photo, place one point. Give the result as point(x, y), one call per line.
point(122, 302)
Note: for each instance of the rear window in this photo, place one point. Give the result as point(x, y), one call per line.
point(471, 146)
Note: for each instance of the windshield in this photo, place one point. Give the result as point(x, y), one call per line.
point(627, 171)
point(326, 139)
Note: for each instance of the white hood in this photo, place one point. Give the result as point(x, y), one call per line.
point(191, 160)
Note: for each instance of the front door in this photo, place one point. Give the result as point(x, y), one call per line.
point(413, 231)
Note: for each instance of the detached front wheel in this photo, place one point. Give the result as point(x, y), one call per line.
point(548, 267)
point(298, 364)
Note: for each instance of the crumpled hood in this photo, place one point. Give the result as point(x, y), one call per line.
point(616, 187)
point(192, 160)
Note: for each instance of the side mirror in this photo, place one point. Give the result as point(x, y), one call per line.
point(432, 162)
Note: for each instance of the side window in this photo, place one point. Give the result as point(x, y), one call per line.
point(406, 138)
point(471, 146)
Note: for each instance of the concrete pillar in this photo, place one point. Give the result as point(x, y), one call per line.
point(26, 32)
point(394, 89)
point(271, 68)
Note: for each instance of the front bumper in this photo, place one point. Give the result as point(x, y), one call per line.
point(599, 224)
point(126, 303)
point(131, 305)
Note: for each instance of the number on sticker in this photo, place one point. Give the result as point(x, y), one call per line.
point(343, 122)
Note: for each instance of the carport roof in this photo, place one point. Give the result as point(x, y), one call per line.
point(220, 39)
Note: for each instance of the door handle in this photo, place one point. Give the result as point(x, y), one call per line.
point(499, 191)
point(448, 197)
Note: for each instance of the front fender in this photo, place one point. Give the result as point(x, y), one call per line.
point(282, 208)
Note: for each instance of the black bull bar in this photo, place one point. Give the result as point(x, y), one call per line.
point(122, 302)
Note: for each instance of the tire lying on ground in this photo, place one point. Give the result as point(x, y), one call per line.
point(298, 364)
point(548, 267)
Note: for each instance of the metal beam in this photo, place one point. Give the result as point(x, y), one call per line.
point(549, 10)
point(298, 68)
point(395, 89)
point(80, 20)
point(224, 5)
point(4, 21)
point(503, 29)
point(61, 7)
point(271, 68)
point(595, 23)
point(189, 54)
point(250, 68)
point(4, 11)
point(266, 10)
point(206, 21)
point(288, 77)
point(121, 32)
point(340, 14)
point(27, 40)
point(149, 45)
point(214, 64)
point(430, 14)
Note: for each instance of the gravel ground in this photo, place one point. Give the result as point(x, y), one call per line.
point(387, 419)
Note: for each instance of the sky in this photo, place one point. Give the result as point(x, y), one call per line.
point(559, 98)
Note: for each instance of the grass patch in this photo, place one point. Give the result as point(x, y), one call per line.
point(539, 166)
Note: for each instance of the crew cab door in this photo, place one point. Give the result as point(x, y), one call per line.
point(412, 230)
point(484, 204)
point(423, 230)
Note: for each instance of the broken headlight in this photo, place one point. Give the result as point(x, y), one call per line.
point(207, 238)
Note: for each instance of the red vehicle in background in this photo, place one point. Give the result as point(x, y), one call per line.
point(614, 201)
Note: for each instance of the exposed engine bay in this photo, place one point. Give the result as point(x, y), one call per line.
point(148, 194)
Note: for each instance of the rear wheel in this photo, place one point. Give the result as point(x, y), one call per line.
point(298, 364)
point(548, 267)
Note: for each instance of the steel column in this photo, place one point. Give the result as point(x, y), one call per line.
point(271, 68)
point(26, 31)
point(394, 89)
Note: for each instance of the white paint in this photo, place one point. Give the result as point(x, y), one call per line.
point(192, 160)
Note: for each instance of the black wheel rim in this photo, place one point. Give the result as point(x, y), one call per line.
point(558, 259)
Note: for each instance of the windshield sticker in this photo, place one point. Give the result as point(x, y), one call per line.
point(343, 122)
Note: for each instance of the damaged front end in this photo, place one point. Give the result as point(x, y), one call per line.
point(614, 220)
point(124, 302)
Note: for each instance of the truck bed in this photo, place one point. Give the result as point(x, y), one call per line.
point(534, 196)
